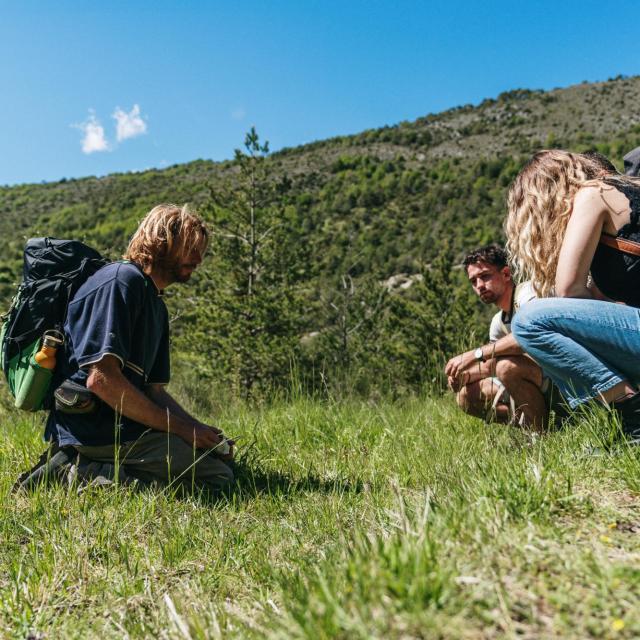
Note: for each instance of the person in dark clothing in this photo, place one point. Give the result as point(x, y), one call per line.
point(573, 229)
point(117, 347)
point(632, 162)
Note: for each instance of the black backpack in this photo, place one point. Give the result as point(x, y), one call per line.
point(632, 162)
point(53, 271)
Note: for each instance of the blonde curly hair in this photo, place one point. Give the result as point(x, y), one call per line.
point(167, 233)
point(540, 203)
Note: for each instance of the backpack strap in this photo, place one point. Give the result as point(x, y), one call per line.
point(621, 244)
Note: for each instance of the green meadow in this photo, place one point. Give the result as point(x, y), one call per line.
point(350, 519)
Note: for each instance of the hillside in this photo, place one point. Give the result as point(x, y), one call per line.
point(602, 115)
point(371, 205)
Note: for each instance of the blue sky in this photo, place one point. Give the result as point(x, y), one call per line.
point(93, 88)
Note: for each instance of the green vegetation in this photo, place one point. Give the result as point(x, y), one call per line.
point(348, 214)
point(350, 520)
point(253, 335)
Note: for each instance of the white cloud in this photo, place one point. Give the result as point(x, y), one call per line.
point(93, 139)
point(129, 125)
point(238, 113)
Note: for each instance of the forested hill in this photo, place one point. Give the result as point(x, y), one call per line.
point(363, 207)
point(394, 186)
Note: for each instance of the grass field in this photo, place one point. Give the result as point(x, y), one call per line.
point(350, 520)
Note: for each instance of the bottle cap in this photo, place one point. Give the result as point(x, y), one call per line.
point(53, 338)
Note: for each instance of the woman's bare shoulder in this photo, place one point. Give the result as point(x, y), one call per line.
point(597, 197)
point(593, 197)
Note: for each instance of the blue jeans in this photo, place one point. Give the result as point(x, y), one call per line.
point(585, 346)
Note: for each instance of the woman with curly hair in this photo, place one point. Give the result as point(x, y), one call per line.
point(573, 229)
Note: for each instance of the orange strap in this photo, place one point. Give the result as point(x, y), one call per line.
point(626, 246)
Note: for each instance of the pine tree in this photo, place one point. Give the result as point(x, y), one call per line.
point(253, 328)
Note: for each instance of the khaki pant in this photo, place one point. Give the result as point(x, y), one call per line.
point(155, 457)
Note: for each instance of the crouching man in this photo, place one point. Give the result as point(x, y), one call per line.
point(117, 349)
point(497, 380)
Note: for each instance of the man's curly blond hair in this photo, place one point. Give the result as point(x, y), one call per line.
point(167, 233)
point(540, 203)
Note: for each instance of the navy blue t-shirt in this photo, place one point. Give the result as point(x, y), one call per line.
point(117, 311)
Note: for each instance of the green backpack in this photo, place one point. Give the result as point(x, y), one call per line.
point(53, 271)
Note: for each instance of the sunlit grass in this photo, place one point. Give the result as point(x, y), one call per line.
point(350, 520)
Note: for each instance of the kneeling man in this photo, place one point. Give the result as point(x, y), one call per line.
point(497, 380)
point(115, 418)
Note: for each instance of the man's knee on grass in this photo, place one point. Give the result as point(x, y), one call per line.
point(210, 475)
point(164, 459)
point(219, 475)
point(198, 466)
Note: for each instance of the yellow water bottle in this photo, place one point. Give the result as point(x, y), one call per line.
point(35, 383)
point(46, 357)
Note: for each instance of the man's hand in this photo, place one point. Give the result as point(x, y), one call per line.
point(460, 363)
point(465, 369)
point(205, 437)
point(219, 450)
point(231, 454)
point(202, 436)
point(455, 384)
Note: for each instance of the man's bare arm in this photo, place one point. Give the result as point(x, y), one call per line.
point(160, 396)
point(109, 384)
point(505, 346)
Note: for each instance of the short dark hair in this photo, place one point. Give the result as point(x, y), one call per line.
point(491, 254)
